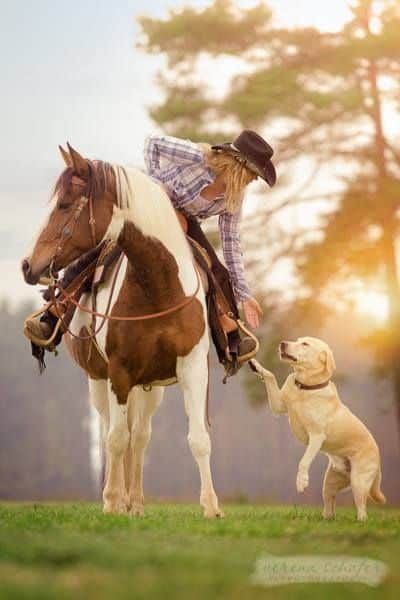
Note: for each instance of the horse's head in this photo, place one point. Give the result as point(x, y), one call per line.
point(82, 208)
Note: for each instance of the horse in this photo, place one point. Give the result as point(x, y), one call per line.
point(155, 331)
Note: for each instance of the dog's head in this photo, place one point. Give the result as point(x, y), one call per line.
point(310, 356)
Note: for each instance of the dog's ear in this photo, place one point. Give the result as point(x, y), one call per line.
point(328, 359)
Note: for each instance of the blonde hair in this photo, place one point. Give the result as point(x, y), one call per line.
point(237, 176)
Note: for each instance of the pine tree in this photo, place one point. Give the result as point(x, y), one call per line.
point(334, 98)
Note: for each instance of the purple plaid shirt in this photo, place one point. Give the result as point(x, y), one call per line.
point(179, 165)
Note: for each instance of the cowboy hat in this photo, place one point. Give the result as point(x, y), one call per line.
point(254, 152)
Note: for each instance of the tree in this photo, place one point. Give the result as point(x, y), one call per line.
point(332, 97)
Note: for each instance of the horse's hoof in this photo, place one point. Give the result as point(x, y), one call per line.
point(213, 513)
point(137, 510)
point(328, 516)
point(114, 508)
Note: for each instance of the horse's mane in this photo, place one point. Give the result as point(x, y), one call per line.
point(151, 210)
point(101, 179)
point(150, 207)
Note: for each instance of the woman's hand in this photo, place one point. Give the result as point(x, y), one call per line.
point(252, 312)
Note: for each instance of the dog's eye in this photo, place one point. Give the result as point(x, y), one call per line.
point(305, 344)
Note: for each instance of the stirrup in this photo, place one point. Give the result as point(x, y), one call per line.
point(246, 357)
point(47, 344)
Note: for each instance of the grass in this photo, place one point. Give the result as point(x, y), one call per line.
point(74, 551)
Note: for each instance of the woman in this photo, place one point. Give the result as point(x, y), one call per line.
point(203, 181)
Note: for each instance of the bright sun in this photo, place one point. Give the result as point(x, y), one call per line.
point(374, 304)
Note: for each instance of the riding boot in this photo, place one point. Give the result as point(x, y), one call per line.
point(40, 329)
point(225, 342)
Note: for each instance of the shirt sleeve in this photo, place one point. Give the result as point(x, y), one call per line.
point(171, 150)
point(231, 247)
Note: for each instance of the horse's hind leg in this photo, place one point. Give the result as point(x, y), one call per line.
point(142, 407)
point(192, 372)
point(117, 442)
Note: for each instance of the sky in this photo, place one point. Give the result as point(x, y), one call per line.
point(70, 71)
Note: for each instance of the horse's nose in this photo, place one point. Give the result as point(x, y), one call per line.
point(26, 270)
point(25, 266)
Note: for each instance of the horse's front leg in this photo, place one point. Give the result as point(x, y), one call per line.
point(144, 404)
point(114, 494)
point(98, 395)
point(192, 372)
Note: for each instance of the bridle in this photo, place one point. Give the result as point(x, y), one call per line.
point(54, 285)
point(69, 227)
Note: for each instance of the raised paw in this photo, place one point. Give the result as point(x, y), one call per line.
point(302, 480)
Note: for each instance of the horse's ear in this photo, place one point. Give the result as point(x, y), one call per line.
point(79, 163)
point(66, 157)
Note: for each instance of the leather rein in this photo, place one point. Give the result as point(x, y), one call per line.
point(106, 316)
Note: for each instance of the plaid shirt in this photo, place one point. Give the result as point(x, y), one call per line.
point(179, 165)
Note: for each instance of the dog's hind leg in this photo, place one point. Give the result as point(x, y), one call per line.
point(361, 483)
point(334, 481)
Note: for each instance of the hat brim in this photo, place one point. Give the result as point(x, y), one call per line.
point(268, 173)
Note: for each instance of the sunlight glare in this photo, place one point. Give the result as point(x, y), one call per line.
point(328, 16)
point(374, 304)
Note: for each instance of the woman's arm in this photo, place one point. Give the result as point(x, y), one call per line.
point(230, 238)
point(171, 149)
point(231, 247)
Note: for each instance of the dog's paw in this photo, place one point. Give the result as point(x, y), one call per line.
point(302, 481)
point(259, 369)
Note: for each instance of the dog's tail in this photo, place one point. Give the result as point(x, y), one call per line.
point(376, 492)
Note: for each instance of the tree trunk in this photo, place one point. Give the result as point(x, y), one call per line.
point(389, 230)
point(393, 292)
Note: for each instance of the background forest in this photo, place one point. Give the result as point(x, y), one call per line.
point(321, 249)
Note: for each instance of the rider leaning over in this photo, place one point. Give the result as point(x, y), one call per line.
point(203, 181)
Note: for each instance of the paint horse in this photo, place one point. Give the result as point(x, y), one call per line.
point(132, 360)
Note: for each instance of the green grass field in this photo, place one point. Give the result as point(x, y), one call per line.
point(74, 551)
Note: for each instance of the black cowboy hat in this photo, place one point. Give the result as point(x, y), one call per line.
point(255, 153)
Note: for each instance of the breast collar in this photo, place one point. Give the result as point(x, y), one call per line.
point(317, 386)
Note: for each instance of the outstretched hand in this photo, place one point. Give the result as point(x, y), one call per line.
point(252, 312)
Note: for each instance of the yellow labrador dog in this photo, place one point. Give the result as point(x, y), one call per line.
point(318, 418)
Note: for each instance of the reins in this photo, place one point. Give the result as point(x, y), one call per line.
point(109, 317)
point(55, 285)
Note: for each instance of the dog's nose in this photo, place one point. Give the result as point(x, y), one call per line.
point(283, 345)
